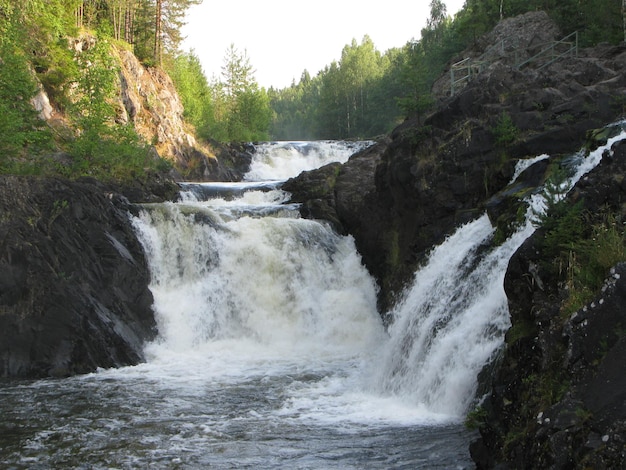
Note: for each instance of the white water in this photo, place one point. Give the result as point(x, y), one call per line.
point(283, 160)
point(271, 353)
point(452, 320)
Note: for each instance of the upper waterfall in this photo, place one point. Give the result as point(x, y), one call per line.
point(283, 160)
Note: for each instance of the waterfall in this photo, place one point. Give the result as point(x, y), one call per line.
point(241, 283)
point(283, 282)
point(283, 160)
point(452, 319)
point(450, 322)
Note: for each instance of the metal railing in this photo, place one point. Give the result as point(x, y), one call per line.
point(464, 70)
point(566, 47)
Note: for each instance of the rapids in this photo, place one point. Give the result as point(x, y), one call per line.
point(270, 352)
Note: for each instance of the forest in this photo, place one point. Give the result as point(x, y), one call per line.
point(364, 94)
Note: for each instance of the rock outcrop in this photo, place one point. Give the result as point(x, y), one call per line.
point(73, 280)
point(434, 174)
point(148, 100)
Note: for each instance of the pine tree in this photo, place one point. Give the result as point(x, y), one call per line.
point(168, 19)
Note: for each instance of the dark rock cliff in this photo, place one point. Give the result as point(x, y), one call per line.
point(558, 398)
point(430, 176)
point(73, 281)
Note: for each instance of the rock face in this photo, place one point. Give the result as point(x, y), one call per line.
point(558, 398)
point(512, 41)
point(150, 102)
point(431, 176)
point(147, 99)
point(73, 281)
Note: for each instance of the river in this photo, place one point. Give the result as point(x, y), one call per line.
point(270, 352)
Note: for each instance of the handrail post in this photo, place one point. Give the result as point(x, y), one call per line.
point(452, 81)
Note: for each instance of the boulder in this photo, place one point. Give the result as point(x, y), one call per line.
point(73, 279)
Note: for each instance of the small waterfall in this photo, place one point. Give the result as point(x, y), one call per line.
point(283, 160)
point(251, 270)
point(452, 320)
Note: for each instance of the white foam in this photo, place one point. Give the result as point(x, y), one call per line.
point(283, 160)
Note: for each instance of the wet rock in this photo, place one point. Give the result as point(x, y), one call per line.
point(558, 397)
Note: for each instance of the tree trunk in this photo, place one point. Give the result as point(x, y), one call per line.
point(80, 11)
point(624, 17)
point(157, 32)
point(128, 24)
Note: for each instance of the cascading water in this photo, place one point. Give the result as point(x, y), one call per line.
point(287, 284)
point(282, 160)
point(270, 351)
point(452, 320)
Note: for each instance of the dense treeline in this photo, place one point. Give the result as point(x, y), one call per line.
point(367, 93)
point(233, 109)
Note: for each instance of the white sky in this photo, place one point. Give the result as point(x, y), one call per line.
point(285, 37)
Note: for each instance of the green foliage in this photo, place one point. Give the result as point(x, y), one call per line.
point(417, 80)
point(504, 131)
point(581, 247)
point(194, 91)
point(362, 97)
point(35, 43)
point(233, 110)
point(351, 98)
point(475, 418)
point(103, 148)
point(22, 133)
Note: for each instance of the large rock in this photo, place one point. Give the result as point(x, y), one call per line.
point(151, 103)
point(73, 279)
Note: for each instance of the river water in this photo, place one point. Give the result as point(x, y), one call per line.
point(271, 353)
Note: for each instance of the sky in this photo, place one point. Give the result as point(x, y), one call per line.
point(282, 38)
